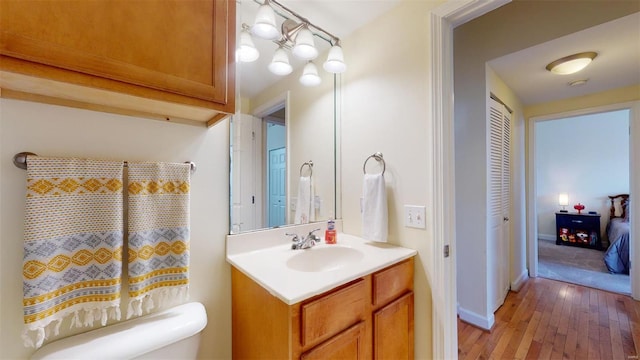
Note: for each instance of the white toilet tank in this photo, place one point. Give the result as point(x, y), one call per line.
point(169, 334)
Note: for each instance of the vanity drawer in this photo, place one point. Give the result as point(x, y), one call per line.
point(329, 315)
point(392, 282)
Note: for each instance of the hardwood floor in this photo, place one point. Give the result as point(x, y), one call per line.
point(548, 319)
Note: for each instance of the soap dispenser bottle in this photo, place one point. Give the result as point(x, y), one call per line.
point(330, 235)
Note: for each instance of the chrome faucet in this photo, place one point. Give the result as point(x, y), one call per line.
point(305, 243)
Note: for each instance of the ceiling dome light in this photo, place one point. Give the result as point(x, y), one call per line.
point(304, 47)
point(264, 25)
point(335, 60)
point(310, 75)
point(247, 51)
point(572, 63)
point(280, 63)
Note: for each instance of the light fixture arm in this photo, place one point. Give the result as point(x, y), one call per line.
point(330, 38)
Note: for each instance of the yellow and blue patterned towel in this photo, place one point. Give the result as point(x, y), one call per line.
point(158, 235)
point(72, 244)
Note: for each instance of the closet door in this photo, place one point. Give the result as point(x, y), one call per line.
point(499, 203)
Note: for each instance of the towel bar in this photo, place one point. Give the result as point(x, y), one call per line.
point(379, 158)
point(20, 160)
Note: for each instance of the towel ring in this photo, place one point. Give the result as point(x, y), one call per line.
point(310, 165)
point(379, 158)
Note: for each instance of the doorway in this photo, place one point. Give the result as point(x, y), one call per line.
point(584, 157)
point(275, 179)
point(442, 21)
point(276, 175)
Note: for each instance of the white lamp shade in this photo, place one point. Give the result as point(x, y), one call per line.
point(335, 60)
point(571, 66)
point(304, 47)
point(310, 75)
point(264, 25)
point(247, 51)
point(280, 63)
point(563, 199)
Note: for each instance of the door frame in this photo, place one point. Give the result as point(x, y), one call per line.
point(260, 111)
point(442, 20)
point(634, 187)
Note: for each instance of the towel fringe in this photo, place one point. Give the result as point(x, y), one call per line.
point(157, 298)
point(34, 335)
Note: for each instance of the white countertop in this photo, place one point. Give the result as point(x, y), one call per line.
point(267, 264)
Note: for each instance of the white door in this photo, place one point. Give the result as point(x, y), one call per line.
point(244, 173)
point(499, 198)
point(277, 181)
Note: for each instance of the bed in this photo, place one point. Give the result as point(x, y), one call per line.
point(616, 258)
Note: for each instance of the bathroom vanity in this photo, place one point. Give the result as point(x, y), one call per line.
point(359, 306)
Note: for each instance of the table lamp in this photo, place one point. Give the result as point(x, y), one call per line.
point(563, 200)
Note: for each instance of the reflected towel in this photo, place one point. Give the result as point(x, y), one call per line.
point(374, 208)
point(72, 244)
point(158, 235)
point(305, 211)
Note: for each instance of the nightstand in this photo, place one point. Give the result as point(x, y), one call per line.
point(575, 229)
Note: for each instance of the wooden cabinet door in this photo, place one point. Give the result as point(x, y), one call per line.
point(179, 47)
point(347, 345)
point(393, 330)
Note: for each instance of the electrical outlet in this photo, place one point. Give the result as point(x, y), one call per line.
point(414, 216)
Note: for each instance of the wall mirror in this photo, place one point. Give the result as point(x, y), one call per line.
point(283, 137)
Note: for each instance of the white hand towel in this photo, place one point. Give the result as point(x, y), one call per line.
point(305, 211)
point(374, 208)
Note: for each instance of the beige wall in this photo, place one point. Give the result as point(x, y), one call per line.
point(385, 98)
point(615, 96)
point(59, 131)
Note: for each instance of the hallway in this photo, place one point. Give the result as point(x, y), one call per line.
point(549, 319)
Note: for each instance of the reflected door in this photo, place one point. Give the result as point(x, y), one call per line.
point(277, 195)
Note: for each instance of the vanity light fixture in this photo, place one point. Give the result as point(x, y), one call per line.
point(264, 25)
point(247, 51)
point(297, 35)
point(572, 63)
point(310, 75)
point(280, 63)
point(335, 61)
point(304, 47)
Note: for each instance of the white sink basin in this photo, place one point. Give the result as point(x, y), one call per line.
point(324, 258)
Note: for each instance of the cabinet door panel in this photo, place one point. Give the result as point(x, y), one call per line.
point(392, 282)
point(330, 314)
point(393, 330)
point(177, 46)
point(347, 345)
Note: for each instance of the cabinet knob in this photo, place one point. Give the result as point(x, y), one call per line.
point(506, 218)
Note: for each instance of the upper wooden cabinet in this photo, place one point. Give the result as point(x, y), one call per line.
point(168, 59)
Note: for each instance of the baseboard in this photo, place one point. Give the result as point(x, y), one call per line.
point(547, 237)
point(517, 284)
point(476, 320)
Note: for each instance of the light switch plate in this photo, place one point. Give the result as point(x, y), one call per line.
point(414, 216)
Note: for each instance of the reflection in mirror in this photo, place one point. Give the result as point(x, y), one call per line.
point(280, 125)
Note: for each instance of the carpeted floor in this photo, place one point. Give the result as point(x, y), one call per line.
point(579, 266)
